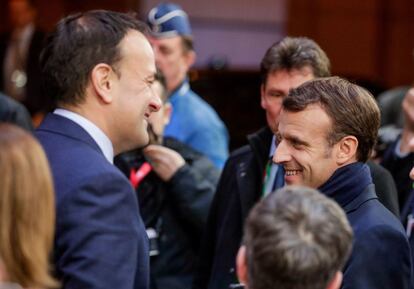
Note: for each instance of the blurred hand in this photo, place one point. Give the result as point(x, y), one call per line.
point(165, 162)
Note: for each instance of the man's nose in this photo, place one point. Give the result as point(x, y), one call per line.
point(155, 103)
point(281, 154)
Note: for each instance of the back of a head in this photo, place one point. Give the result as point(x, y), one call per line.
point(27, 209)
point(351, 108)
point(78, 43)
point(295, 53)
point(296, 238)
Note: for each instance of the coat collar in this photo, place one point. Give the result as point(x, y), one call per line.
point(249, 171)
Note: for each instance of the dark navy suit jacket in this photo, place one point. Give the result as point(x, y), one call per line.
point(100, 238)
point(381, 255)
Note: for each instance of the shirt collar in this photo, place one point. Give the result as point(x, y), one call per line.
point(95, 132)
point(272, 147)
point(181, 90)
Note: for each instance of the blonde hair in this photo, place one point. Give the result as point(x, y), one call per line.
point(27, 209)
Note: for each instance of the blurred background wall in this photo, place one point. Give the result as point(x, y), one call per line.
point(370, 42)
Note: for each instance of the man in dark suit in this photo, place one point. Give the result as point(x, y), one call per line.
point(100, 68)
point(327, 130)
point(19, 58)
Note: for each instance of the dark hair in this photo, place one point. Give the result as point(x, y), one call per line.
point(187, 43)
point(296, 238)
point(78, 43)
point(352, 109)
point(295, 53)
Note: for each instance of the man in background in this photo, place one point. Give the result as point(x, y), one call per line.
point(193, 121)
point(19, 59)
point(175, 186)
point(398, 158)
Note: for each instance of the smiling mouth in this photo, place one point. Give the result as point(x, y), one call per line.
point(292, 172)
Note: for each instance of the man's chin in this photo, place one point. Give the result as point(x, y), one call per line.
point(141, 142)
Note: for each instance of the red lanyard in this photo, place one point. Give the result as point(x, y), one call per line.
point(136, 176)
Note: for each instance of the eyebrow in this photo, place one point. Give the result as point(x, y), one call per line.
point(275, 90)
point(294, 139)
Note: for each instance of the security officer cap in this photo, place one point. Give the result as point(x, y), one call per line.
point(168, 20)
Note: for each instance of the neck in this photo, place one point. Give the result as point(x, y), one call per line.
point(174, 84)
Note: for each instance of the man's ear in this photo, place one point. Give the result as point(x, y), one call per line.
point(262, 96)
point(102, 77)
point(346, 150)
point(241, 266)
point(190, 58)
point(336, 281)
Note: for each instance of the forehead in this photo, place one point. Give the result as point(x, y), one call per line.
point(170, 42)
point(137, 51)
point(285, 80)
point(310, 122)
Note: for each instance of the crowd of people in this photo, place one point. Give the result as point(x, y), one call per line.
point(127, 182)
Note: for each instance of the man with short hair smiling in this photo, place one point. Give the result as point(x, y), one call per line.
point(99, 66)
point(327, 130)
point(193, 121)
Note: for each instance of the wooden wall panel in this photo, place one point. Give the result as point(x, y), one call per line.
point(230, 10)
point(371, 39)
point(349, 43)
point(50, 11)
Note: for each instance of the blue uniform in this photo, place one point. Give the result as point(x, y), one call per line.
point(195, 123)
